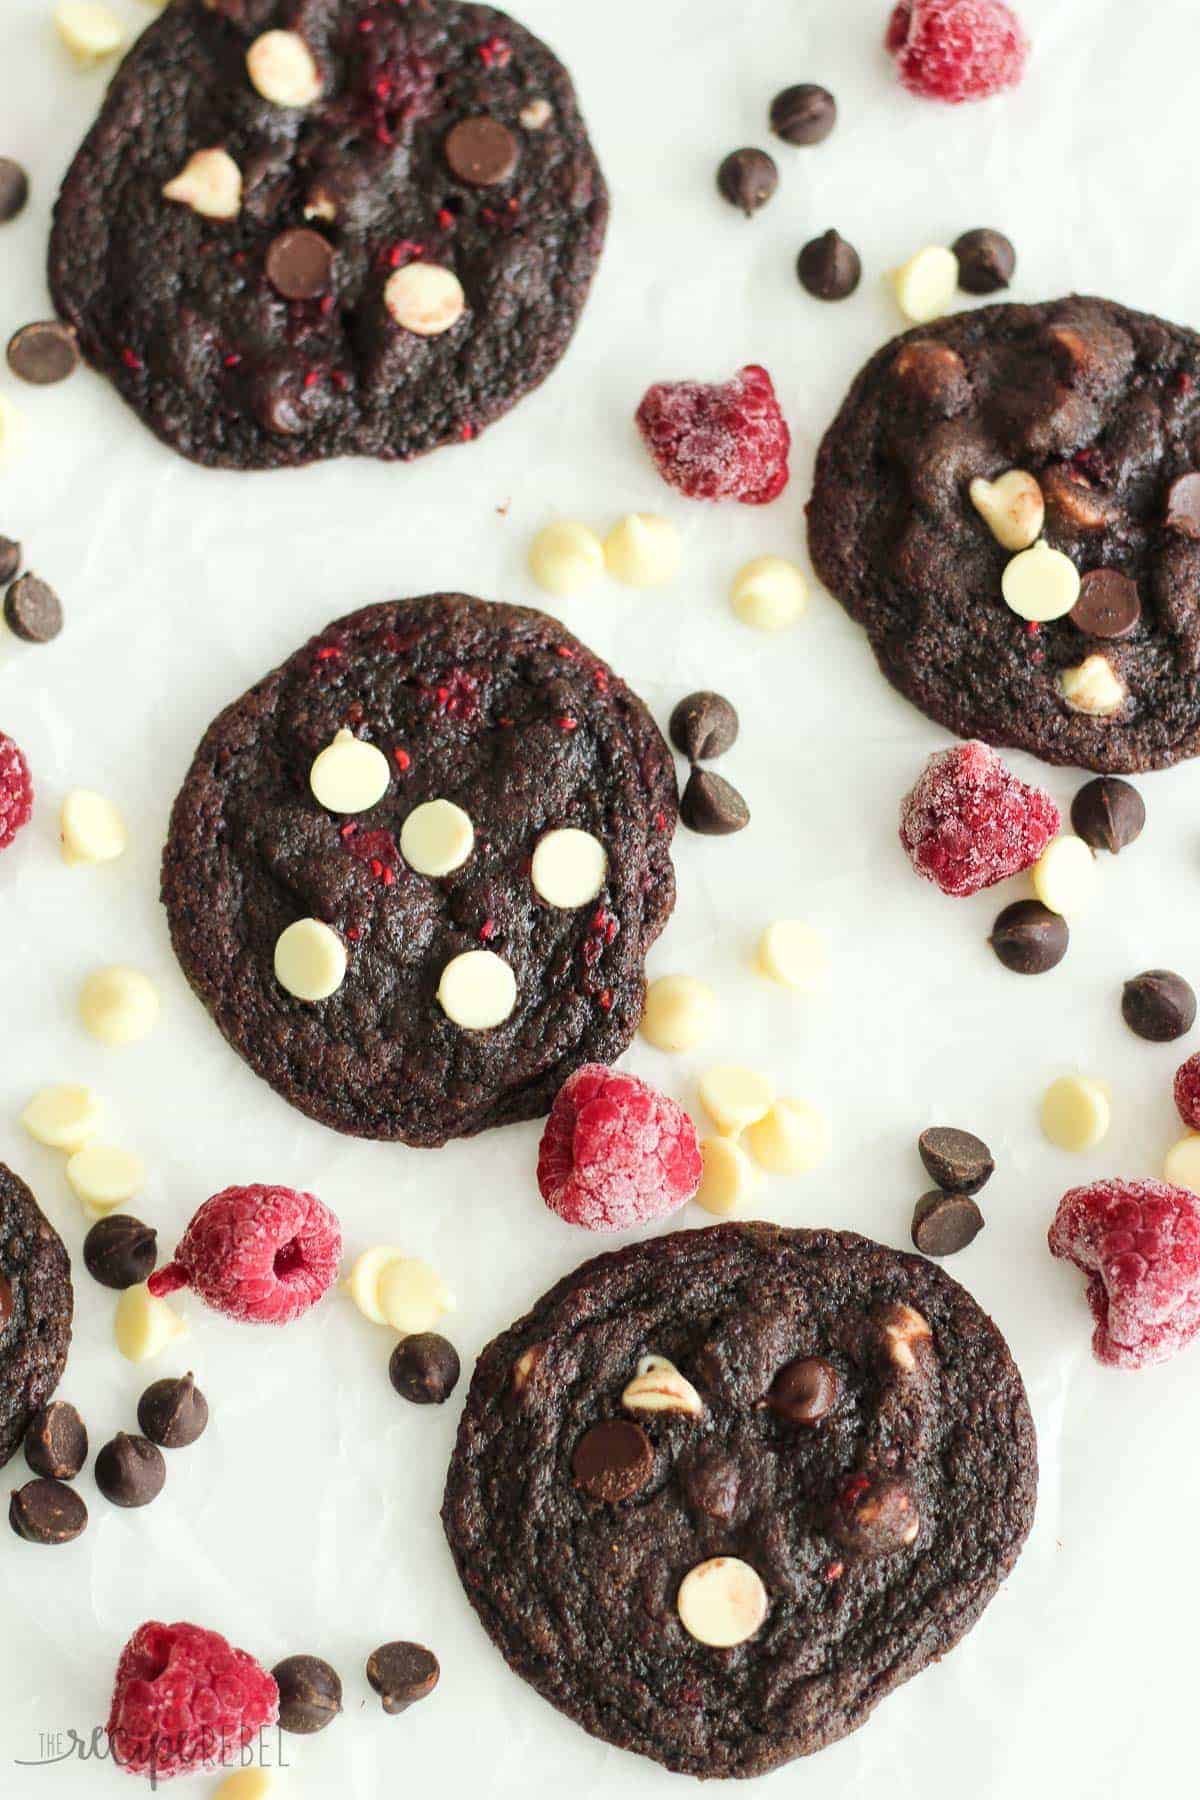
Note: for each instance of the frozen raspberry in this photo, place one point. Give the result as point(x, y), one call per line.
point(969, 822)
point(185, 1699)
point(616, 1153)
point(718, 441)
point(1187, 1092)
point(957, 49)
point(1139, 1244)
point(16, 791)
point(260, 1254)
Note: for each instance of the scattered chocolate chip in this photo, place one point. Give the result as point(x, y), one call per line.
point(986, 261)
point(1029, 939)
point(130, 1471)
point(402, 1673)
point(803, 114)
point(32, 610)
point(424, 1368)
point(613, 1461)
point(56, 1441)
point(703, 725)
point(1183, 506)
point(173, 1412)
point(955, 1159)
point(712, 806)
point(829, 268)
point(945, 1223)
point(1108, 814)
point(1159, 1006)
point(310, 1694)
point(43, 353)
point(47, 1512)
point(747, 179)
point(300, 264)
point(876, 1518)
point(712, 1484)
point(10, 558)
point(805, 1391)
point(14, 189)
point(481, 151)
point(120, 1251)
point(1108, 605)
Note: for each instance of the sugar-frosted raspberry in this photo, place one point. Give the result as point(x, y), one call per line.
point(1139, 1244)
point(260, 1254)
point(16, 791)
point(1187, 1092)
point(615, 1152)
point(957, 49)
point(719, 440)
point(969, 822)
point(185, 1699)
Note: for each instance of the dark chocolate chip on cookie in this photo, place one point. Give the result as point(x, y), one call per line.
point(36, 1306)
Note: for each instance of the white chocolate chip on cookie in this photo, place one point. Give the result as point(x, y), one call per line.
point(1064, 875)
point(310, 960)
point(144, 1325)
point(1094, 687)
point(1012, 508)
point(537, 115)
point(658, 1386)
point(925, 286)
point(478, 990)
point(119, 1005)
point(425, 299)
point(722, 1602)
point(565, 558)
point(283, 69)
point(91, 828)
point(90, 31)
point(734, 1097)
point(679, 1013)
point(63, 1118)
point(643, 551)
point(1040, 584)
point(769, 593)
point(349, 776)
point(569, 868)
point(210, 182)
point(729, 1178)
point(437, 838)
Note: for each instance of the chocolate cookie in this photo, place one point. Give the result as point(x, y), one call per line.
point(719, 1493)
point(36, 1306)
point(313, 228)
point(503, 715)
point(1100, 406)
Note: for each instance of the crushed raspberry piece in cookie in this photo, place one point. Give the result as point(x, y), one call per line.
point(1139, 1244)
point(721, 440)
point(260, 1254)
point(16, 791)
point(957, 49)
point(970, 823)
point(185, 1699)
point(615, 1152)
point(1187, 1092)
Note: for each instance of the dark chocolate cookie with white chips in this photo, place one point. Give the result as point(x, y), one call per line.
point(718, 1494)
point(302, 229)
point(37, 1304)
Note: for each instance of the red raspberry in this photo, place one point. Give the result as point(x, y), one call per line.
point(185, 1699)
point(957, 49)
point(260, 1254)
point(969, 822)
point(718, 441)
point(1139, 1244)
point(615, 1152)
point(1187, 1092)
point(16, 791)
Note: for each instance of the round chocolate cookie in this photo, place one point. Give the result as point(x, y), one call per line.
point(436, 151)
point(503, 715)
point(1100, 406)
point(840, 1469)
point(36, 1307)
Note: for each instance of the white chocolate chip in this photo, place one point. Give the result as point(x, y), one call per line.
point(119, 1005)
point(1076, 1113)
point(722, 1602)
point(104, 1177)
point(412, 1296)
point(1040, 584)
point(310, 960)
point(569, 868)
point(729, 1178)
point(794, 955)
point(1182, 1165)
point(247, 1784)
point(284, 69)
point(790, 1140)
point(144, 1325)
point(1093, 687)
point(734, 1097)
point(210, 182)
point(425, 299)
point(926, 285)
point(537, 115)
point(363, 1282)
point(903, 1328)
point(92, 829)
point(643, 551)
point(566, 557)
point(679, 1013)
point(64, 1118)
point(1064, 875)
point(349, 776)
point(90, 30)
point(659, 1387)
point(1012, 508)
point(478, 990)
point(770, 593)
point(437, 838)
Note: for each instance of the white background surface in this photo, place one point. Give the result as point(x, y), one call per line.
point(306, 1518)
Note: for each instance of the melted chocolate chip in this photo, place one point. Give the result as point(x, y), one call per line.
point(829, 268)
point(56, 1441)
point(1029, 939)
point(986, 261)
point(803, 114)
point(32, 610)
point(805, 1391)
point(1108, 814)
point(1159, 1006)
point(300, 264)
point(613, 1461)
point(955, 1159)
point(481, 151)
point(712, 1485)
point(43, 353)
point(424, 1368)
point(310, 1694)
point(1108, 605)
point(14, 189)
point(876, 1517)
point(402, 1673)
point(712, 806)
point(747, 179)
point(704, 726)
point(47, 1512)
point(943, 1224)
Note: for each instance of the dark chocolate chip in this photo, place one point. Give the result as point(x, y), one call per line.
point(1183, 506)
point(10, 558)
point(876, 1517)
point(805, 1391)
point(747, 179)
point(130, 1471)
point(712, 806)
point(47, 1512)
point(7, 1306)
point(1029, 939)
point(402, 1673)
point(43, 353)
point(481, 151)
point(300, 264)
point(829, 268)
point(424, 1368)
point(1108, 605)
point(945, 1223)
point(613, 1461)
point(173, 1412)
point(986, 261)
point(32, 610)
point(711, 1485)
point(803, 114)
point(1159, 1005)
point(1108, 814)
point(56, 1441)
point(956, 1159)
point(14, 189)
point(310, 1694)
point(704, 725)
point(120, 1251)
